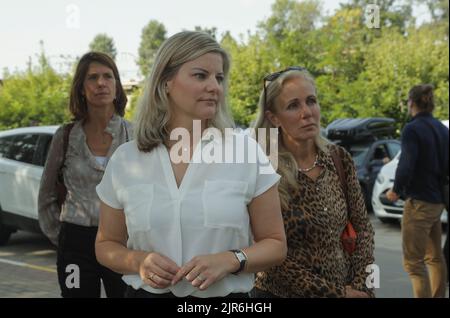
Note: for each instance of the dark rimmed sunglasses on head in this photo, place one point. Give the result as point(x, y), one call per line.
point(273, 76)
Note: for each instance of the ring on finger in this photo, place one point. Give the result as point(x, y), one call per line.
point(151, 276)
point(201, 278)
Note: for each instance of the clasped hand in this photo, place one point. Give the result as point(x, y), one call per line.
point(158, 271)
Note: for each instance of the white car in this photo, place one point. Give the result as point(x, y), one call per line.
point(23, 152)
point(383, 209)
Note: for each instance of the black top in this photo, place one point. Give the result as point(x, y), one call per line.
point(420, 169)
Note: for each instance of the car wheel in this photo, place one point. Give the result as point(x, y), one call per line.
point(5, 233)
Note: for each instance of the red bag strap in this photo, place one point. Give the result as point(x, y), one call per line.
point(337, 154)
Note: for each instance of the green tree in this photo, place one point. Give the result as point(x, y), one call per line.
point(438, 9)
point(133, 100)
point(250, 63)
point(393, 64)
point(211, 31)
point(291, 16)
point(439, 13)
point(275, 45)
point(393, 13)
point(38, 96)
point(105, 44)
point(290, 32)
point(343, 43)
point(153, 35)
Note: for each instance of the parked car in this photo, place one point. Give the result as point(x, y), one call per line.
point(385, 210)
point(23, 152)
point(370, 142)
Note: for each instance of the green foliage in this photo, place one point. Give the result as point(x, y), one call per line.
point(250, 63)
point(38, 96)
point(153, 35)
point(393, 13)
point(211, 31)
point(343, 42)
point(395, 63)
point(133, 102)
point(105, 44)
point(359, 71)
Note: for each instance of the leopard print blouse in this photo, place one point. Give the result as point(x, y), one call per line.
point(316, 265)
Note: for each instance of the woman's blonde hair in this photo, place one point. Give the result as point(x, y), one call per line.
point(153, 111)
point(287, 166)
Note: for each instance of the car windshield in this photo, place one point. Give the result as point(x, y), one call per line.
point(358, 153)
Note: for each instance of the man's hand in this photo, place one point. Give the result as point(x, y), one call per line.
point(392, 196)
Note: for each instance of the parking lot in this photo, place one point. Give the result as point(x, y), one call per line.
point(28, 269)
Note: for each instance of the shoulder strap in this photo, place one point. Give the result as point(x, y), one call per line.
point(337, 155)
point(125, 126)
point(67, 129)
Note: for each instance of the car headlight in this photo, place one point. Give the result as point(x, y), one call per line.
point(380, 178)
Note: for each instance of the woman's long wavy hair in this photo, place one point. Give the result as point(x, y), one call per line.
point(153, 113)
point(287, 166)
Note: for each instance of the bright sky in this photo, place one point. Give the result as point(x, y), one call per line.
point(68, 26)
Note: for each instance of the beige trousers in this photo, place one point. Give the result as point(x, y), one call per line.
point(421, 235)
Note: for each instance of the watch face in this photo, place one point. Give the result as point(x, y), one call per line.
point(241, 257)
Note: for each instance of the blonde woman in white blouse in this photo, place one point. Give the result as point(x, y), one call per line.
point(188, 229)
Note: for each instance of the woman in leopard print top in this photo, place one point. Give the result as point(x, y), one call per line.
point(313, 202)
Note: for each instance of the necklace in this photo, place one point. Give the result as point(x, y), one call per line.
point(310, 168)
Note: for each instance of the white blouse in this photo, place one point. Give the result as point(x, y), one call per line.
point(207, 214)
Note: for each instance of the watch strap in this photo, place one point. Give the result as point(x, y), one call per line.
point(242, 258)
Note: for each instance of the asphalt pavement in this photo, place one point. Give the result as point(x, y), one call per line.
point(28, 265)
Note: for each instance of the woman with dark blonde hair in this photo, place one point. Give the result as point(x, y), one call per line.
point(188, 228)
point(76, 162)
point(316, 207)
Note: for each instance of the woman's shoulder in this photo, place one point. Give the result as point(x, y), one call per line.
point(64, 129)
point(331, 147)
point(341, 151)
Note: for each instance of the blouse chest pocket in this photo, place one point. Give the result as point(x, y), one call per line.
point(137, 201)
point(224, 204)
